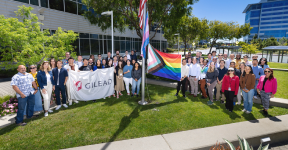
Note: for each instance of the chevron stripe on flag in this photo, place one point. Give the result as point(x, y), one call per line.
point(145, 39)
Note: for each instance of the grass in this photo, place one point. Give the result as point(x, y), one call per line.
point(118, 119)
point(282, 83)
point(278, 65)
point(4, 99)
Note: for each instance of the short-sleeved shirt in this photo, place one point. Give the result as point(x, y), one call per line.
point(24, 83)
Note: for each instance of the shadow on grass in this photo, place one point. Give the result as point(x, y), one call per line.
point(126, 120)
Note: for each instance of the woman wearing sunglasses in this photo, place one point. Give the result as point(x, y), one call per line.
point(267, 87)
point(230, 87)
point(263, 63)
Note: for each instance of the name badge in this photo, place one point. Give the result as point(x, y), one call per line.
point(229, 89)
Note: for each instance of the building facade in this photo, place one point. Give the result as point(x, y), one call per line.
point(269, 18)
point(68, 15)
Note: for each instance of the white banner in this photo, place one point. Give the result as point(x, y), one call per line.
point(87, 85)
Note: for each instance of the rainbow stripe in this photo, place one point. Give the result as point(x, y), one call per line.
point(163, 64)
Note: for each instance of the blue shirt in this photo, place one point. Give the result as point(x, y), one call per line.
point(209, 61)
point(24, 83)
point(125, 69)
point(222, 73)
point(264, 67)
point(257, 71)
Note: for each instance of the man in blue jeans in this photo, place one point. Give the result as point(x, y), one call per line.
point(60, 77)
point(22, 83)
point(258, 72)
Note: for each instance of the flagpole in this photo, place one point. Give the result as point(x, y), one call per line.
point(143, 102)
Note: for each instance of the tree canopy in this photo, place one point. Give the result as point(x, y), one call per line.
point(23, 42)
point(161, 13)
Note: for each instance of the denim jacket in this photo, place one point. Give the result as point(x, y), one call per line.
point(42, 80)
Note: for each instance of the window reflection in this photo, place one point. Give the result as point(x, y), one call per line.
point(56, 4)
point(70, 7)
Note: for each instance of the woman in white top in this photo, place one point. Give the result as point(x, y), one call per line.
point(46, 84)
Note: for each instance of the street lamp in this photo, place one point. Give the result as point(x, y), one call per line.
point(107, 13)
point(160, 37)
point(178, 41)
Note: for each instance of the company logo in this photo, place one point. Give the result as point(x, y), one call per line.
point(78, 85)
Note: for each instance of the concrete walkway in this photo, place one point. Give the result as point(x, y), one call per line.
point(202, 139)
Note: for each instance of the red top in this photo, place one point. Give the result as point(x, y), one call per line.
point(232, 82)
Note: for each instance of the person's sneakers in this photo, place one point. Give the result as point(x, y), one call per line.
point(46, 114)
point(70, 103)
point(58, 107)
point(230, 111)
point(137, 95)
point(22, 124)
point(76, 102)
point(195, 96)
point(65, 105)
point(203, 97)
point(34, 116)
point(176, 94)
point(255, 97)
point(104, 98)
point(50, 111)
point(217, 100)
point(184, 96)
point(244, 110)
point(265, 112)
point(248, 112)
point(132, 95)
point(210, 103)
point(221, 102)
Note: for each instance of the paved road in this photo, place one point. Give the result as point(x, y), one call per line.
point(6, 89)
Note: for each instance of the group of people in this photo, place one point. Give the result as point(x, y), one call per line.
point(228, 79)
point(53, 76)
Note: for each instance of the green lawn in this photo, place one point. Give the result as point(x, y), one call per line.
point(282, 89)
point(118, 119)
point(278, 65)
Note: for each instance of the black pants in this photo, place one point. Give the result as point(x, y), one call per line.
point(59, 89)
point(229, 99)
point(183, 83)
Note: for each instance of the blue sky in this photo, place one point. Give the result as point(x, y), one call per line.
point(223, 10)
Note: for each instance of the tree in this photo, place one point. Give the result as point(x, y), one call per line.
point(283, 41)
point(23, 42)
point(162, 13)
point(272, 42)
point(189, 28)
point(249, 48)
point(226, 30)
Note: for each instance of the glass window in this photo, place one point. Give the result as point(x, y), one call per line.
point(101, 46)
point(116, 45)
point(105, 46)
point(108, 37)
point(122, 48)
point(84, 47)
point(109, 46)
point(34, 2)
point(94, 36)
point(128, 47)
point(70, 7)
point(254, 30)
point(84, 35)
point(255, 13)
point(116, 37)
point(254, 22)
point(23, 1)
point(95, 47)
point(76, 46)
point(44, 3)
point(100, 36)
point(56, 4)
point(122, 38)
point(81, 9)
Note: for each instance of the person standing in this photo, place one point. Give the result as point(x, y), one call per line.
point(104, 63)
point(247, 84)
point(258, 72)
point(119, 79)
point(108, 57)
point(70, 67)
point(38, 98)
point(125, 61)
point(133, 56)
point(225, 57)
point(65, 61)
point(213, 55)
point(127, 76)
point(85, 66)
point(246, 61)
point(25, 87)
point(204, 69)
point(263, 63)
point(194, 73)
point(211, 80)
point(99, 58)
point(109, 64)
point(60, 77)
point(91, 62)
point(98, 65)
point(184, 77)
point(209, 58)
point(46, 84)
point(238, 61)
point(79, 61)
point(52, 63)
point(267, 88)
point(136, 75)
point(217, 65)
point(232, 56)
point(230, 87)
point(115, 61)
point(93, 59)
point(237, 73)
point(222, 71)
point(127, 55)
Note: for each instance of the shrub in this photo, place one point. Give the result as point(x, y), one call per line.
point(204, 46)
point(8, 107)
point(244, 145)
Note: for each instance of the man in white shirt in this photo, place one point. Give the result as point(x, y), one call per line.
point(79, 62)
point(184, 77)
point(227, 62)
point(70, 67)
point(127, 55)
point(194, 73)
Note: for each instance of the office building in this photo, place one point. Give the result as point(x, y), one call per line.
point(269, 18)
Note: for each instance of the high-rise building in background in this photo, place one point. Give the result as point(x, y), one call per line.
point(68, 15)
point(269, 18)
